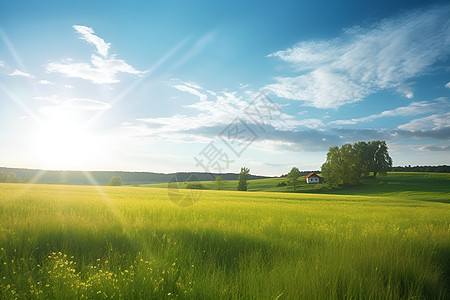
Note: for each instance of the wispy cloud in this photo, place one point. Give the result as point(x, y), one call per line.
point(434, 148)
point(430, 123)
point(20, 73)
point(414, 108)
point(447, 85)
point(72, 103)
point(191, 89)
point(88, 35)
point(207, 117)
point(102, 69)
point(310, 123)
point(46, 82)
point(364, 61)
point(53, 99)
point(86, 104)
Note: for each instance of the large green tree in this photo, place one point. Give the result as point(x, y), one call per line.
point(292, 177)
point(380, 161)
point(374, 157)
point(243, 176)
point(345, 165)
point(342, 166)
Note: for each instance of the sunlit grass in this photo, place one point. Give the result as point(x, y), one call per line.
point(72, 242)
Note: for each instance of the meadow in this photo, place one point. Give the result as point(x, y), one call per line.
point(98, 242)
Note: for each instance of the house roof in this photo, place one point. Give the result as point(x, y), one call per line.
point(312, 175)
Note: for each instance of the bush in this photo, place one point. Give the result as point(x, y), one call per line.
point(195, 186)
point(115, 181)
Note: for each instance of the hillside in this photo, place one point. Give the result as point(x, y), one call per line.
point(412, 185)
point(103, 177)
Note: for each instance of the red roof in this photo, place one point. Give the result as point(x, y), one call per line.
point(311, 175)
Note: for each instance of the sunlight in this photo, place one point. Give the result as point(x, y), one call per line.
point(63, 140)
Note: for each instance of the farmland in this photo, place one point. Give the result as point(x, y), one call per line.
point(389, 239)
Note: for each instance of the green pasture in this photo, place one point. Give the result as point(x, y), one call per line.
point(92, 242)
point(409, 185)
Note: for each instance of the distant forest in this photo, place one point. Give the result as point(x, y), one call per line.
point(103, 177)
point(434, 169)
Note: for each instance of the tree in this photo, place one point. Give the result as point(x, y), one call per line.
point(364, 151)
point(380, 161)
point(11, 178)
point(342, 167)
point(292, 177)
point(243, 176)
point(374, 157)
point(3, 176)
point(115, 181)
point(345, 165)
point(219, 182)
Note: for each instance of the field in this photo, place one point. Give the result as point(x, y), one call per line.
point(407, 185)
point(387, 239)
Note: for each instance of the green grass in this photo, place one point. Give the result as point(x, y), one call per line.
point(75, 242)
point(257, 185)
point(419, 186)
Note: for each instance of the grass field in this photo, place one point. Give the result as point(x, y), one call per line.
point(409, 185)
point(385, 240)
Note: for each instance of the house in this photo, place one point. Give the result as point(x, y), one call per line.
point(313, 178)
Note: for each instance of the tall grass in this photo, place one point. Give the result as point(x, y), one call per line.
point(74, 242)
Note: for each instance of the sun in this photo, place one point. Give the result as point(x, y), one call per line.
point(64, 141)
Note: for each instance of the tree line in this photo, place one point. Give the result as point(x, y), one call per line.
point(9, 177)
point(432, 169)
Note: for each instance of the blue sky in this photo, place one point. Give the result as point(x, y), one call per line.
point(170, 86)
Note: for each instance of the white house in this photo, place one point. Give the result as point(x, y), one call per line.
point(313, 178)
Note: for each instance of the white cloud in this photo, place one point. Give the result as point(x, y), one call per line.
point(68, 86)
point(212, 116)
point(86, 104)
point(191, 89)
point(20, 73)
point(447, 85)
point(46, 82)
point(72, 104)
point(311, 54)
point(406, 91)
point(102, 69)
point(283, 132)
point(433, 122)
point(53, 98)
point(414, 108)
point(434, 148)
point(2, 63)
point(88, 35)
point(364, 61)
point(310, 123)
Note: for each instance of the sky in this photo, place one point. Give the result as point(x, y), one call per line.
point(166, 86)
